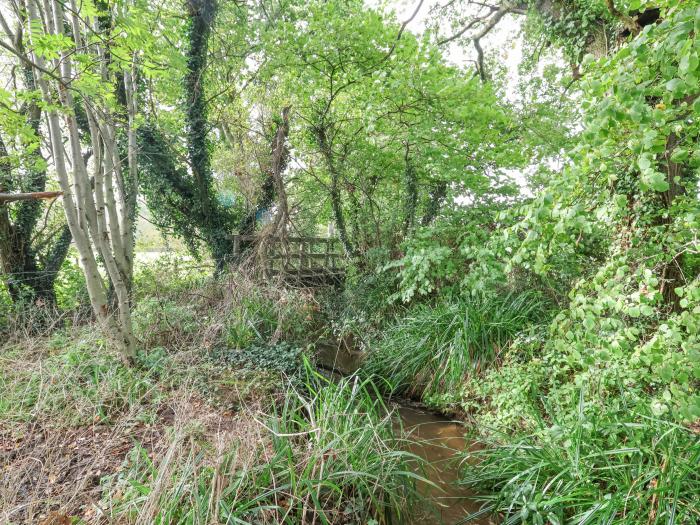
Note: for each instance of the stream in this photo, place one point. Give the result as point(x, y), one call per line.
point(432, 437)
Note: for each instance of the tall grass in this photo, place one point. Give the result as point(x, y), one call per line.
point(613, 469)
point(326, 455)
point(433, 349)
point(70, 382)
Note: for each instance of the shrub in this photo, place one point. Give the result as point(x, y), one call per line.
point(169, 274)
point(362, 308)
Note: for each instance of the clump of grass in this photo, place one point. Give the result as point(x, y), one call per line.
point(71, 380)
point(432, 349)
point(237, 310)
point(326, 455)
point(613, 468)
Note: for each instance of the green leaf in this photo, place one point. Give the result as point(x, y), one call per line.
point(644, 162)
point(656, 181)
point(675, 85)
point(666, 373)
point(688, 63)
point(679, 155)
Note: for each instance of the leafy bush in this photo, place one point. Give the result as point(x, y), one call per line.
point(432, 350)
point(615, 343)
point(616, 468)
point(363, 306)
point(169, 274)
point(439, 258)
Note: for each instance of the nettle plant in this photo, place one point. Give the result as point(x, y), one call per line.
point(635, 177)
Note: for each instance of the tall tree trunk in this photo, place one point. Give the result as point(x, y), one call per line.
point(411, 192)
point(279, 157)
point(321, 134)
point(202, 14)
point(671, 272)
point(435, 202)
point(88, 200)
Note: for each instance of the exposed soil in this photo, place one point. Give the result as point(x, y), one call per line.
point(51, 472)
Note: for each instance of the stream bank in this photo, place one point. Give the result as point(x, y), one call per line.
point(434, 438)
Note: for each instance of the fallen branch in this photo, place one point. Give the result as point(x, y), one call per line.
point(11, 197)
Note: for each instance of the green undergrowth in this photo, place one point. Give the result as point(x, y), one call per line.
point(235, 311)
point(618, 468)
point(72, 380)
point(220, 420)
point(431, 350)
point(326, 454)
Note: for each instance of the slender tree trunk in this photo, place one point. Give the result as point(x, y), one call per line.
point(321, 135)
point(279, 158)
point(671, 272)
point(435, 202)
point(87, 203)
point(411, 192)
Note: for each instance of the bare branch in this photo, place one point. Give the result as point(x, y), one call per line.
point(489, 21)
point(12, 197)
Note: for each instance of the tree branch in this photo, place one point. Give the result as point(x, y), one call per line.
point(12, 197)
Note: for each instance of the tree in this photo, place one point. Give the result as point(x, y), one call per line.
point(364, 92)
point(31, 251)
point(576, 26)
point(181, 195)
point(631, 180)
point(76, 65)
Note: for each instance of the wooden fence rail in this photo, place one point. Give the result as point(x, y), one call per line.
point(304, 260)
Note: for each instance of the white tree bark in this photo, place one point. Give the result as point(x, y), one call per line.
point(98, 208)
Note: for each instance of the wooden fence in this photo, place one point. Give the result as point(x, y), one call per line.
point(302, 260)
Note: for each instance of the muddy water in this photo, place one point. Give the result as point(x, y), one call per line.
point(435, 439)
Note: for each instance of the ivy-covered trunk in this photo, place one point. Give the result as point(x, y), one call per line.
point(321, 135)
point(214, 219)
point(411, 192)
point(679, 178)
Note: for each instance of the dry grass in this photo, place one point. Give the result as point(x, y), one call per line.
point(71, 414)
point(52, 470)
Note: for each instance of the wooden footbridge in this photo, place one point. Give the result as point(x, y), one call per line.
point(302, 261)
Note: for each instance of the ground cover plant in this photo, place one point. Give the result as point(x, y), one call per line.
point(327, 453)
point(264, 437)
point(610, 468)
